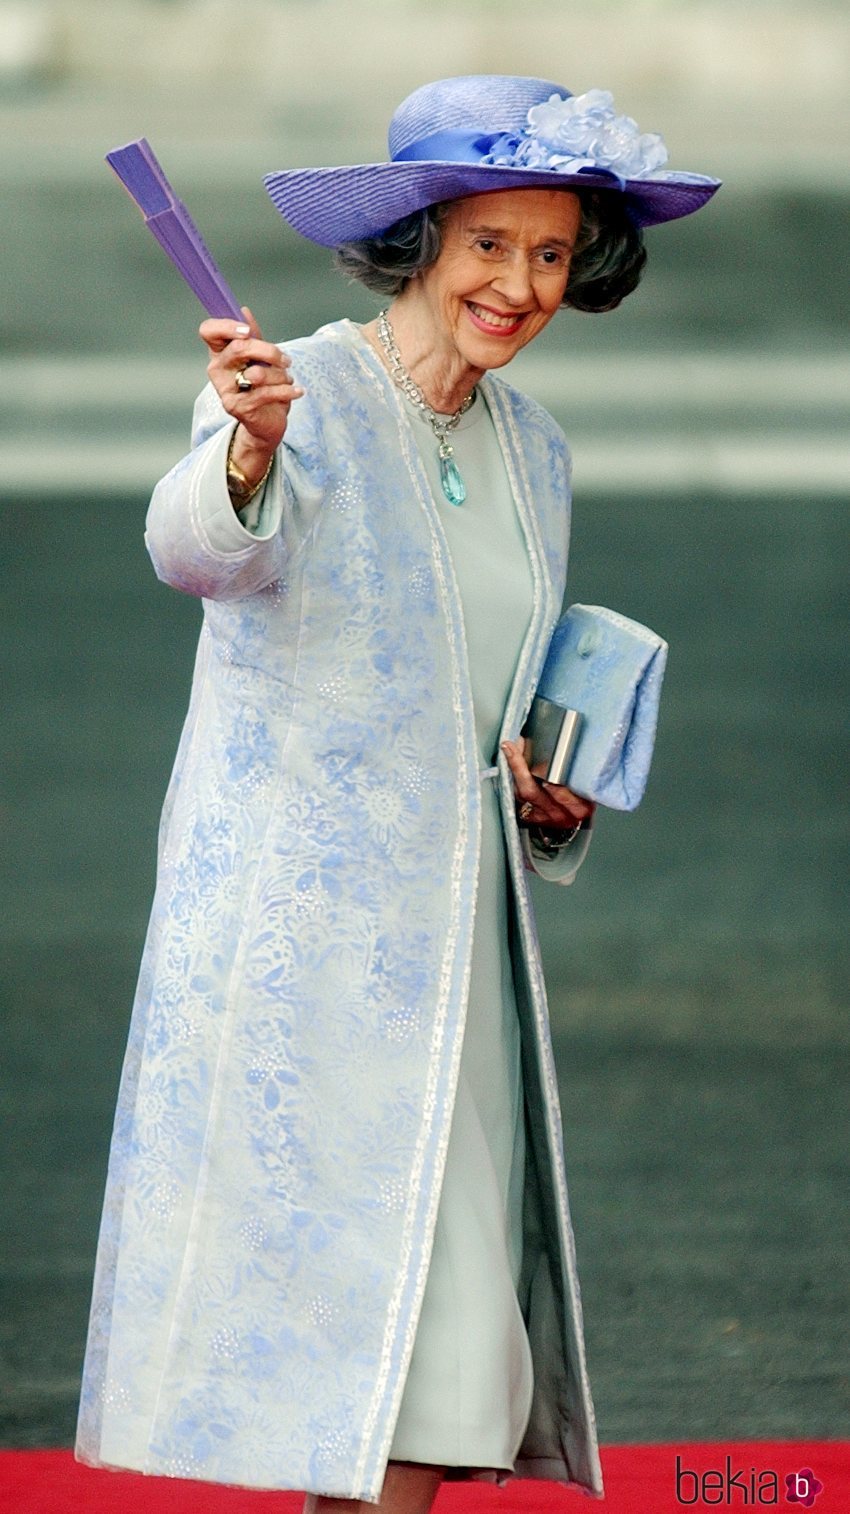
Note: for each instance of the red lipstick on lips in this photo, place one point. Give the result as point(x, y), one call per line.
point(494, 330)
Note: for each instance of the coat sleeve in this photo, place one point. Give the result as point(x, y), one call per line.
point(195, 538)
point(559, 866)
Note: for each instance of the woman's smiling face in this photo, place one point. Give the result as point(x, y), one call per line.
point(502, 270)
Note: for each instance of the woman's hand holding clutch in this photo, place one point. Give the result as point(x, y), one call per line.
point(551, 807)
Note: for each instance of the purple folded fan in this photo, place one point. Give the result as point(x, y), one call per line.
point(167, 217)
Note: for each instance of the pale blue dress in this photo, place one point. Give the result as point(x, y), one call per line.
point(467, 1397)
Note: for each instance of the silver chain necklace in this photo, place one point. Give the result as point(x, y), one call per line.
point(451, 482)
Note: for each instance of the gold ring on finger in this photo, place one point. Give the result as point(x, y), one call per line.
point(243, 384)
point(526, 809)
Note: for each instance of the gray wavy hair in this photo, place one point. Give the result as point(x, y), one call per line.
point(606, 266)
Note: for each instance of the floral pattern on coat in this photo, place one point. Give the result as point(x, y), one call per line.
point(289, 1079)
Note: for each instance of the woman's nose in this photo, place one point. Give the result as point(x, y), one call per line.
point(513, 281)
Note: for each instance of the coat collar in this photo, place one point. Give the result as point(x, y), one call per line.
point(546, 602)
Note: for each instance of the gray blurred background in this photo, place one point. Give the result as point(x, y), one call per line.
point(697, 968)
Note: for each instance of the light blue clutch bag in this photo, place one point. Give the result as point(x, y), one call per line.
point(610, 669)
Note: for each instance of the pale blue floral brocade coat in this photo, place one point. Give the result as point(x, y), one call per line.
point(288, 1087)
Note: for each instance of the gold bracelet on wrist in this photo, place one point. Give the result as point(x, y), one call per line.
point(556, 841)
point(240, 490)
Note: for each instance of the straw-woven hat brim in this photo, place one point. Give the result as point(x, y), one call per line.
point(347, 204)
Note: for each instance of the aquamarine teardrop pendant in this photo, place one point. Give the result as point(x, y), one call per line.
point(451, 482)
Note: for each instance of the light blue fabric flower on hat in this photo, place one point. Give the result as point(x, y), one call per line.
point(579, 132)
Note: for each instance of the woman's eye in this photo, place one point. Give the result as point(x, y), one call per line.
point(486, 244)
point(551, 258)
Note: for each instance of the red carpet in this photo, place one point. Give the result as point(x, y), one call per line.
point(639, 1480)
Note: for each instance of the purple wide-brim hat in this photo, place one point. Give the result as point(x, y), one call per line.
point(482, 132)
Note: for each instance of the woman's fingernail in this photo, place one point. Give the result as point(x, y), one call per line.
point(243, 330)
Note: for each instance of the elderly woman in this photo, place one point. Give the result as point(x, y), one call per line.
point(336, 1251)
